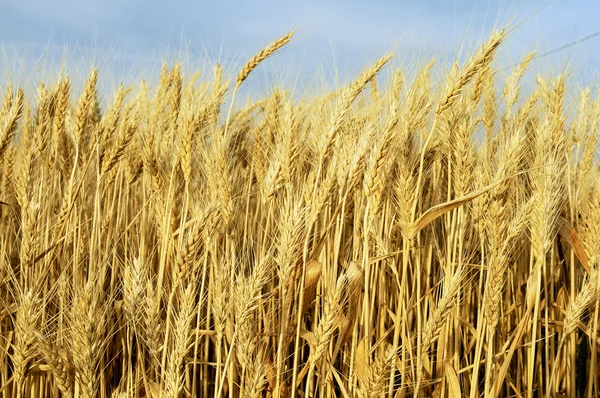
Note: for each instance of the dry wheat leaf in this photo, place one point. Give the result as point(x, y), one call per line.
point(361, 360)
point(439, 210)
point(579, 250)
point(453, 382)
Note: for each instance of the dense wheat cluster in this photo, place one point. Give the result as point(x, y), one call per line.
point(427, 237)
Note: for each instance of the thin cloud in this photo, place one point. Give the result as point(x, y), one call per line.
point(348, 34)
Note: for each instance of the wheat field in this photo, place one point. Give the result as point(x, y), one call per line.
point(419, 238)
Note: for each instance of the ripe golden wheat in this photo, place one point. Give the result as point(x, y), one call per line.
point(383, 240)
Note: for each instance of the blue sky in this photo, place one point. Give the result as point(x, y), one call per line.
point(128, 38)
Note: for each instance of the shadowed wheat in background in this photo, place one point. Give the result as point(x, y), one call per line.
point(430, 237)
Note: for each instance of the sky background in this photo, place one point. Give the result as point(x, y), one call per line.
point(334, 39)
